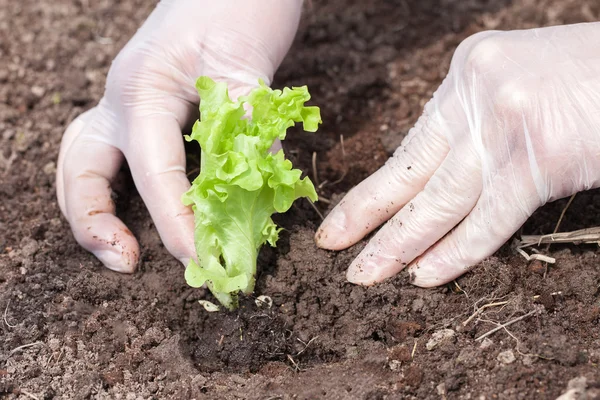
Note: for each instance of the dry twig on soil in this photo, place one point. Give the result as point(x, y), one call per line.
point(483, 307)
point(412, 354)
point(502, 326)
point(562, 214)
point(16, 349)
point(587, 236)
point(344, 165)
point(314, 168)
point(460, 290)
point(27, 394)
point(541, 257)
point(296, 365)
point(316, 210)
point(321, 185)
point(5, 314)
point(305, 344)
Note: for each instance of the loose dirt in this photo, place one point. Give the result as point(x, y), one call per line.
point(71, 329)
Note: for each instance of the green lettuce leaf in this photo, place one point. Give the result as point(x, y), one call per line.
point(241, 184)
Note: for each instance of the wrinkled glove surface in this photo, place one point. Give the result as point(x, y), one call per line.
point(515, 124)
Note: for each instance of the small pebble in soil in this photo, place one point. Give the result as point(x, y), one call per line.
point(38, 91)
point(486, 344)
point(441, 389)
point(264, 301)
point(576, 389)
point(351, 352)
point(506, 357)
point(439, 337)
point(29, 247)
point(418, 304)
point(394, 365)
point(49, 168)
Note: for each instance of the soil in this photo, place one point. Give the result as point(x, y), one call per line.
point(72, 329)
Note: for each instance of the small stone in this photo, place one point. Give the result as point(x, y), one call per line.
point(29, 247)
point(38, 91)
point(441, 389)
point(486, 344)
point(394, 365)
point(351, 352)
point(439, 337)
point(264, 301)
point(572, 394)
point(92, 76)
point(506, 357)
point(578, 383)
point(50, 168)
point(417, 305)
point(576, 389)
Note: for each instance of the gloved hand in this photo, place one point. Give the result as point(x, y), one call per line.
point(515, 124)
point(149, 97)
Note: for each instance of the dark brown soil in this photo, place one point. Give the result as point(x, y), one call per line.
point(72, 329)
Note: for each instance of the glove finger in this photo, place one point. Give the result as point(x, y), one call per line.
point(385, 192)
point(71, 133)
point(498, 214)
point(156, 157)
point(86, 168)
point(446, 199)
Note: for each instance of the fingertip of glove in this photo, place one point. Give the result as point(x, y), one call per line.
point(362, 272)
point(425, 275)
point(332, 233)
point(113, 259)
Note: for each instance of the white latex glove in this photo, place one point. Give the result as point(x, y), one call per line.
point(515, 124)
point(149, 97)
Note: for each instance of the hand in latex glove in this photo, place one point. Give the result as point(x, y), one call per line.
point(150, 96)
point(515, 124)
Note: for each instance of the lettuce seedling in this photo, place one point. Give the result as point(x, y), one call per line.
point(241, 184)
